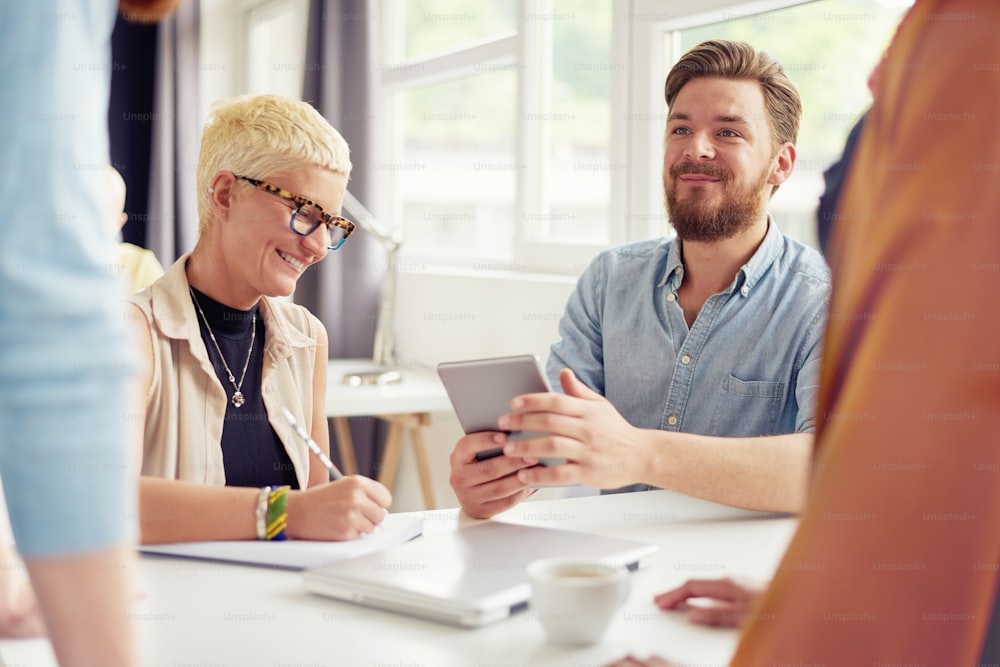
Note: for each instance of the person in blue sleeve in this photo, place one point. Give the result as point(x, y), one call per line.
point(66, 356)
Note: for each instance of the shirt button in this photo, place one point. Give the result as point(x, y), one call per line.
point(685, 360)
point(679, 270)
point(672, 420)
point(671, 298)
point(744, 290)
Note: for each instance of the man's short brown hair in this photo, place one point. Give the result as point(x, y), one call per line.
point(740, 60)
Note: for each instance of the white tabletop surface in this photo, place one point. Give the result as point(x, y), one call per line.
point(420, 390)
point(200, 614)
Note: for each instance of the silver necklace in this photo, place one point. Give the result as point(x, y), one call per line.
point(238, 398)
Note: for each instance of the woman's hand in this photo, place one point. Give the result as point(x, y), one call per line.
point(341, 510)
point(731, 600)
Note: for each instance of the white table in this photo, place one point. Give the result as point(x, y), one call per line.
point(406, 405)
point(207, 614)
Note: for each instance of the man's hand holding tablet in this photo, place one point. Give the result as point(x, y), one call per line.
point(481, 391)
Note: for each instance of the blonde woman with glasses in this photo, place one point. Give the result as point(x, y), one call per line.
point(224, 354)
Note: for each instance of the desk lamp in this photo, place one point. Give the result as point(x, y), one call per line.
point(382, 369)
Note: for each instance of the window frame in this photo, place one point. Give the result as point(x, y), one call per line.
point(635, 208)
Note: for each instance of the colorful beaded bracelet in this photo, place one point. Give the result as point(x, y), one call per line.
point(277, 516)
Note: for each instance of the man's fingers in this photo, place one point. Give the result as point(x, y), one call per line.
point(495, 469)
point(469, 446)
point(484, 489)
point(566, 474)
point(500, 504)
point(573, 387)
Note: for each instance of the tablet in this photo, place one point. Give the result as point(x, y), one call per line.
point(481, 390)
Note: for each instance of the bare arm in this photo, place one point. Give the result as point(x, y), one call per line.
point(766, 473)
point(175, 511)
point(87, 603)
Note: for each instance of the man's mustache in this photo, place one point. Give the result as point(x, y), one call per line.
point(710, 170)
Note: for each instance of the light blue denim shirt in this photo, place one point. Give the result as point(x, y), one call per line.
point(749, 366)
point(66, 356)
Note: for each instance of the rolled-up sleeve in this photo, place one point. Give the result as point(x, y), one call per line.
point(580, 344)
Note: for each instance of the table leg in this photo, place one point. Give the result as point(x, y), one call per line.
point(423, 467)
point(390, 457)
point(345, 445)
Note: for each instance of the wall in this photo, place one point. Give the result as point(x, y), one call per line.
point(447, 315)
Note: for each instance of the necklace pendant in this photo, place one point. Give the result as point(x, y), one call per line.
point(238, 399)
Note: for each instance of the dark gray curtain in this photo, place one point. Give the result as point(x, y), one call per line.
point(133, 82)
point(343, 290)
point(172, 228)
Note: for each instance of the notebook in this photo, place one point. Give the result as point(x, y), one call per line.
point(296, 554)
point(468, 577)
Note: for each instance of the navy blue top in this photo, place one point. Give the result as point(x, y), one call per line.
point(252, 454)
point(834, 178)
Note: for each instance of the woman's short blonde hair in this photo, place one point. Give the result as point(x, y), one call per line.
point(261, 136)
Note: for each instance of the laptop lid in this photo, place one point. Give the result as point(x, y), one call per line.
point(469, 577)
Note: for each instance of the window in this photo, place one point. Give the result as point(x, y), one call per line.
point(527, 135)
point(828, 48)
point(275, 58)
point(251, 47)
point(497, 155)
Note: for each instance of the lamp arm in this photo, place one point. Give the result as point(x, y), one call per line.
point(365, 220)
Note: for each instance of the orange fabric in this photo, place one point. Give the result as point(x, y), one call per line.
point(895, 560)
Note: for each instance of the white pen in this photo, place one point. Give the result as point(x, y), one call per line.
point(334, 473)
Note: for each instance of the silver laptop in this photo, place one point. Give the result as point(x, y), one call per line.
point(469, 577)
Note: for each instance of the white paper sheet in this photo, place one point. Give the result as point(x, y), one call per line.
point(296, 554)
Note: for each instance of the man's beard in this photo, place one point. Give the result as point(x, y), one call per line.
point(695, 219)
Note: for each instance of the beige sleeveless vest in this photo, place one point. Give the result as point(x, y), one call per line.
point(186, 403)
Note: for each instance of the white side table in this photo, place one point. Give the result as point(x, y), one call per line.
point(406, 404)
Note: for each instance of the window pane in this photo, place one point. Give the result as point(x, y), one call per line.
point(456, 174)
point(275, 52)
point(431, 27)
point(577, 182)
point(828, 49)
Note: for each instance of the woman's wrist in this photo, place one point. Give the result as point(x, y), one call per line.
point(293, 505)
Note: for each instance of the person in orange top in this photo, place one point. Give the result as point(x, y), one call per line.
point(902, 526)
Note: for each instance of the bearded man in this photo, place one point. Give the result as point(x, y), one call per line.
point(689, 363)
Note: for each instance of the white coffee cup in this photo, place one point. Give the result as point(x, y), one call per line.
point(576, 598)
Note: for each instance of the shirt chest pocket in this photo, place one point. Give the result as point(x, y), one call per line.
point(747, 407)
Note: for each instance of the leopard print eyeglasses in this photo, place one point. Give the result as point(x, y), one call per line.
point(307, 215)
